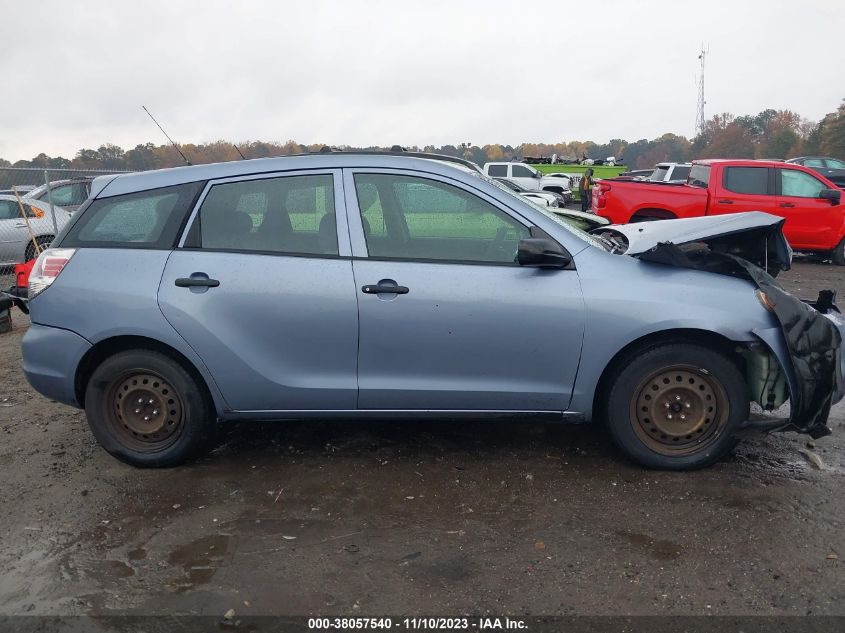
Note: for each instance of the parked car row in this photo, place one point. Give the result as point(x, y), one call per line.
point(810, 204)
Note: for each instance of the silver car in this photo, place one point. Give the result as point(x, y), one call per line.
point(17, 233)
point(365, 285)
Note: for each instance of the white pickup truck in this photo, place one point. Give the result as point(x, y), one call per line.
point(528, 177)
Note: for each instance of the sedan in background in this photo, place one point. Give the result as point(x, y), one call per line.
point(17, 233)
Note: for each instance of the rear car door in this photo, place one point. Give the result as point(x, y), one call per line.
point(261, 287)
point(466, 328)
point(743, 188)
point(811, 222)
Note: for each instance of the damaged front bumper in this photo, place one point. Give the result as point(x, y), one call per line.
point(813, 366)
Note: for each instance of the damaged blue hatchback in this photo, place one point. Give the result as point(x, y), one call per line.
point(363, 285)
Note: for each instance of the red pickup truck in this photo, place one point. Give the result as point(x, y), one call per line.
point(811, 204)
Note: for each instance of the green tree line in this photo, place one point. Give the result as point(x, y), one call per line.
point(769, 134)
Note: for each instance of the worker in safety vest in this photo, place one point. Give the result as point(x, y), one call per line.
point(585, 189)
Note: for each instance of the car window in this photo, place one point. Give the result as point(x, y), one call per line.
point(431, 220)
point(680, 173)
point(813, 162)
point(833, 163)
point(659, 174)
point(146, 219)
point(799, 184)
point(288, 214)
point(699, 176)
point(67, 195)
point(749, 180)
point(522, 172)
point(9, 210)
point(498, 171)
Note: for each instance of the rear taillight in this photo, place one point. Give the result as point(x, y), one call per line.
point(601, 198)
point(47, 267)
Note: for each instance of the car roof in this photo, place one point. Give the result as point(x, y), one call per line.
point(740, 162)
point(141, 181)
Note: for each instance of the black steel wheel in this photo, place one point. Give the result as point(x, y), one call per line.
point(146, 409)
point(676, 406)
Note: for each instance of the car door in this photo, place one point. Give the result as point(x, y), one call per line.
point(811, 222)
point(525, 177)
point(262, 288)
point(448, 320)
point(744, 188)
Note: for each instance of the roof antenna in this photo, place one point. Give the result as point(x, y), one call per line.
point(238, 150)
point(185, 158)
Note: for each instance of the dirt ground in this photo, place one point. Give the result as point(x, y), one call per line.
point(432, 518)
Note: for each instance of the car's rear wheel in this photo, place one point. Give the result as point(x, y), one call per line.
point(838, 253)
point(677, 406)
point(145, 409)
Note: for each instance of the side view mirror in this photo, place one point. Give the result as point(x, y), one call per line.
point(834, 195)
point(542, 252)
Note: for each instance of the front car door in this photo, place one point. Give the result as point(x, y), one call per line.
point(14, 233)
point(811, 223)
point(261, 287)
point(466, 327)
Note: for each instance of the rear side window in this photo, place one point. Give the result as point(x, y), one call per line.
point(498, 171)
point(146, 219)
point(749, 180)
point(699, 176)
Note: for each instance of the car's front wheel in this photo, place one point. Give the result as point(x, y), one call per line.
point(146, 410)
point(677, 406)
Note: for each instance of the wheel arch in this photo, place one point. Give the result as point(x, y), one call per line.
point(652, 213)
point(705, 338)
point(116, 344)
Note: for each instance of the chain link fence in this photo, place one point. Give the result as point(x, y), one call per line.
point(34, 206)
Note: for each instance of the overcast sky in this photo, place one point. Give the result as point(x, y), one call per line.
point(407, 72)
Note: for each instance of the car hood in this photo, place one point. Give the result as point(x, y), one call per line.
point(754, 236)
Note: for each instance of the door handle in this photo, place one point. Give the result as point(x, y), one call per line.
point(787, 205)
point(725, 201)
point(20, 225)
point(197, 282)
point(384, 289)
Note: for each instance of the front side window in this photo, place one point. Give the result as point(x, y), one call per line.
point(498, 171)
point(287, 214)
point(833, 163)
point(147, 219)
point(522, 172)
point(813, 162)
point(748, 180)
point(799, 184)
point(431, 220)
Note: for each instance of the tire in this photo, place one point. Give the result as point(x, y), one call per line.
point(676, 406)
point(146, 410)
point(43, 242)
point(838, 254)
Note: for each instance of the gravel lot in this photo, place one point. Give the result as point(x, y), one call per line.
point(413, 518)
